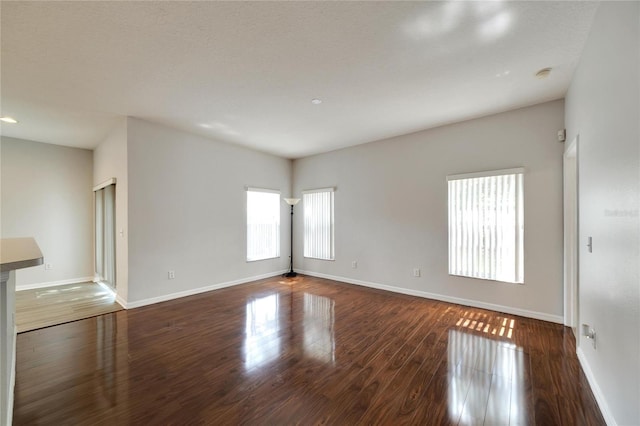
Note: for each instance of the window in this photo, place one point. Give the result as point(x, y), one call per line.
point(318, 223)
point(486, 225)
point(263, 224)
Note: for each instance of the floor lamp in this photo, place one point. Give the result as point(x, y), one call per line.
point(292, 202)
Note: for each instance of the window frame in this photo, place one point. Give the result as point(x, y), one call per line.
point(331, 243)
point(518, 247)
point(278, 232)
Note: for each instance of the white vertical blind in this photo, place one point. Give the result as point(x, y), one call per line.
point(105, 234)
point(263, 224)
point(99, 234)
point(318, 224)
point(486, 226)
point(109, 235)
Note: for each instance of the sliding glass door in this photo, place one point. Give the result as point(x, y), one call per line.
point(105, 238)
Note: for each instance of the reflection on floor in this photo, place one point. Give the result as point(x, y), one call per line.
point(302, 351)
point(263, 339)
point(49, 306)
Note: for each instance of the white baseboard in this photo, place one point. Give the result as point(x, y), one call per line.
point(595, 388)
point(53, 283)
point(121, 301)
point(460, 301)
point(191, 292)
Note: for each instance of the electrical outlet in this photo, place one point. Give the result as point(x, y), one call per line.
point(354, 264)
point(416, 272)
point(589, 333)
point(48, 266)
point(172, 275)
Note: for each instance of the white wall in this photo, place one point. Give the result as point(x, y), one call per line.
point(391, 208)
point(187, 211)
point(110, 161)
point(46, 194)
point(602, 107)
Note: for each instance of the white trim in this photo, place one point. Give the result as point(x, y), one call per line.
point(12, 378)
point(254, 189)
point(104, 184)
point(515, 171)
point(311, 191)
point(597, 392)
point(53, 283)
point(571, 238)
point(165, 297)
point(450, 299)
point(121, 301)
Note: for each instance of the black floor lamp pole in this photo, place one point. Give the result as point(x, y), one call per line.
point(292, 202)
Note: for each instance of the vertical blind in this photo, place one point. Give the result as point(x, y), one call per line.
point(318, 223)
point(105, 235)
point(486, 225)
point(263, 224)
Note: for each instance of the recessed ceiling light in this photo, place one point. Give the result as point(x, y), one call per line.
point(8, 120)
point(543, 73)
point(316, 101)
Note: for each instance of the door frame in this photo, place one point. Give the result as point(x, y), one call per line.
point(571, 234)
point(96, 276)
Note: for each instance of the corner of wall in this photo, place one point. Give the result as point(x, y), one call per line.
point(110, 160)
point(609, 167)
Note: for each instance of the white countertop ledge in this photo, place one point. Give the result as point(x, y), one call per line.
point(18, 253)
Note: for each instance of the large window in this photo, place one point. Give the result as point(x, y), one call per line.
point(263, 224)
point(318, 223)
point(486, 225)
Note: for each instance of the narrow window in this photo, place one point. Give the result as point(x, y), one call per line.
point(486, 225)
point(263, 224)
point(318, 223)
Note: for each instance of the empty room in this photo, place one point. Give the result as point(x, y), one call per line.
point(320, 212)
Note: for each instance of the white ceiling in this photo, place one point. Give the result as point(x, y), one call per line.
point(245, 72)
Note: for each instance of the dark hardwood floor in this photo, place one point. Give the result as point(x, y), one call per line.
point(307, 351)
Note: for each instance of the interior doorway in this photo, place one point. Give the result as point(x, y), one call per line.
point(571, 278)
point(105, 233)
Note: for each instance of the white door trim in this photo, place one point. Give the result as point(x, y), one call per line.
point(570, 185)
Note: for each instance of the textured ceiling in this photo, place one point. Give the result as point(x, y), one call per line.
point(245, 72)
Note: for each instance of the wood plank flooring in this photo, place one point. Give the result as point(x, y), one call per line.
point(44, 307)
point(302, 351)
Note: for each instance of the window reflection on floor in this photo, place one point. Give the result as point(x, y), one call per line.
point(484, 377)
point(319, 318)
point(481, 322)
point(262, 340)
point(106, 353)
